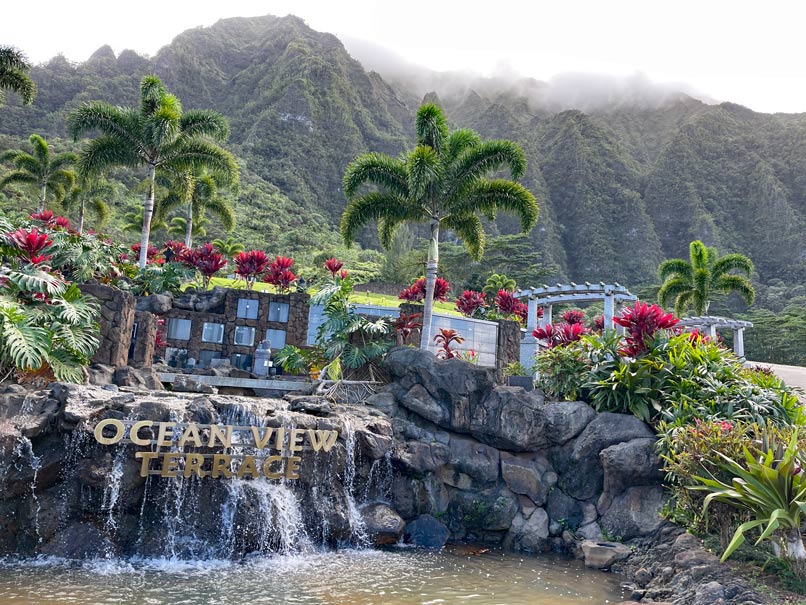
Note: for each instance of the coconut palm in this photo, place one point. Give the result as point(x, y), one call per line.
point(158, 136)
point(92, 196)
point(14, 68)
point(229, 247)
point(199, 191)
point(50, 176)
point(444, 182)
point(691, 284)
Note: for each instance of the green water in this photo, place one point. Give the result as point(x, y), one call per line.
point(390, 577)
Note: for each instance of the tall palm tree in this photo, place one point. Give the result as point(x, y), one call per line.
point(158, 136)
point(91, 195)
point(199, 191)
point(691, 284)
point(14, 68)
point(444, 181)
point(133, 222)
point(50, 176)
point(179, 226)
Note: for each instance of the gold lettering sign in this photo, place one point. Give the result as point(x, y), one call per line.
point(268, 453)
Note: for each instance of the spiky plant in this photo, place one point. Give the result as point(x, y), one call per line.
point(445, 181)
point(92, 196)
point(691, 284)
point(14, 68)
point(50, 177)
point(157, 136)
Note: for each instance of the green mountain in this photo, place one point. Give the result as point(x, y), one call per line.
point(628, 181)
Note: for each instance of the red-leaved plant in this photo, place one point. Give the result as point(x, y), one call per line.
point(51, 220)
point(416, 292)
point(333, 266)
point(205, 260)
point(172, 249)
point(152, 256)
point(509, 306)
point(470, 303)
point(573, 316)
point(642, 322)
point(32, 244)
point(405, 324)
point(280, 274)
point(445, 340)
point(250, 265)
point(560, 335)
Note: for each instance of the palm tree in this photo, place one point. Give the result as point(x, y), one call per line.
point(91, 195)
point(158, 136)
point(229, 247)
point(49, 176)
point(14, 68)
point(133, 222)
point(178, 225)
point(199, 191)
point(692, 283)
point(497, 282)
point(444, 182)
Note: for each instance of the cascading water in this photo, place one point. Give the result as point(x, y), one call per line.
point(357, 525)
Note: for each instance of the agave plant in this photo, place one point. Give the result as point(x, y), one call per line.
point(772, 487)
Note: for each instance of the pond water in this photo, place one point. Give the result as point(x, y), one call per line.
point(357, 577)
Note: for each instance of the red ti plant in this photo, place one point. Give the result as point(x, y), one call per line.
point(405, 325)
point(280, 274)
point(642, 322)
point(152, 256)
point(598, 325)
point(333, 266)
point(250, 265)
point(172, 249)
point(509, 306)
point(470, 303)
point(446, 338)
point(560, 335)
point(52, 221)
point(205, 260)
point(573, 316)
point(31, 244)
point(416, 292)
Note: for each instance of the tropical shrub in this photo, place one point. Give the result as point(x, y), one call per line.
point(250, 265)
point(333, 266)
point(159, 279)
point(573, 316)
point(280, 274)
point(497, 282)
point(516, 368)
point(153, 254)
point(642, 322)
point(416, 292)
point(298, 361)
point(509, 307)
point(558, 335)
point(445, 340)
point(205, 260)
point(771, 486)
point(561, 371)
point(405, 325)
point(471, 303)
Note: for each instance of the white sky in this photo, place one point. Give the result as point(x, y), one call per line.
point(747, 52)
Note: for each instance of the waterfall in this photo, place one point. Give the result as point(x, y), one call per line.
point(357, 525)
point(24, 450)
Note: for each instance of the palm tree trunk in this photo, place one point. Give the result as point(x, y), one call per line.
point(42, 197)
point(81, 217)
point(148, 212)
point(795, 551)
point(430, 281)
point(189, 226)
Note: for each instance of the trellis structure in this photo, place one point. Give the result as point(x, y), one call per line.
point(547, 296)
point(711, 323)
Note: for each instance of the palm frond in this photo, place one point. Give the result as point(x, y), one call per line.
point(13, 76)
point(671, 289)
point(738, 284)
point(485, 196)
point(461, 140)
point(699, 255)
point(431, 127)
point(676, 267)
point(18, 177)
point(486, 159)
point(200, 155)
point(119, 122)
point(364, 209)
point(106, 152)
point(424, 171)
point(732, 262)
point(376, 169)
point(470, 230)
point(204, 122)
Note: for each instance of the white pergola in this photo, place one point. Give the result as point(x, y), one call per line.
point(547, 296)
point(711, 323)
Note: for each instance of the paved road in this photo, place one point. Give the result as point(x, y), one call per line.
point(794, 376)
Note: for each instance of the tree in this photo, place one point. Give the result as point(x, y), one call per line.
point(179, 226)
point(444, 182)
point(158, 136)
point(133, 222)
point(90, 195)
point(49, 176)
point(199, 191)
point(14, 68)
point(229, 247)
point(497, 282)
point(692, 283)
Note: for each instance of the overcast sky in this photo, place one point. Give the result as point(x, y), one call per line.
point(747, 52)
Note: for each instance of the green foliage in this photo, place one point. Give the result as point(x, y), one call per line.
point(516, 368)
point(167, 278)
point(562, 371)
point(14, 68)
point(49, 178)
point(297, 361)
point(497, 282)
point(771, 486)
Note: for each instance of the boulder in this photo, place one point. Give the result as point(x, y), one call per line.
point(427, 532)
point(384, 402)
point(185, 383)
point(100, 374)
point(634, 513)
point(629, 464)
point(143, 378)
point(488, 510)
point(529, 534)
point(79, 541)
point(155, 303)
point(474, 459)
point(383, 524)
point(564, 509)
point(528, 475)
point(567, 419)
point(419, 456)
point(309, 404)
point(373, 445)
point(602, 555)
point(578, 462)
point(206, 301)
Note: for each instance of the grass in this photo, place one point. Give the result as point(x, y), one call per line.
point(363, 298)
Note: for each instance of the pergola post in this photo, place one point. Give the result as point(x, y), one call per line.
point(609, 309)
point(712, 331)
point(738, 342)
point(531, 319)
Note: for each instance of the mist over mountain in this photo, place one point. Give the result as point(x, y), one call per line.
point(626, 171)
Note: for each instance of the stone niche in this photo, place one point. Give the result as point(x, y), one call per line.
point(224, 323)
